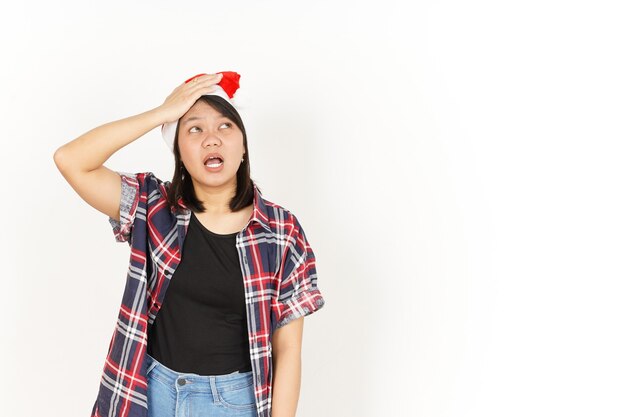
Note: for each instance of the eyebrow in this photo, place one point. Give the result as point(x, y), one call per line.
point(201, 118)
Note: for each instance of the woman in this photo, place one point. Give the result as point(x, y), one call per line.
point(225, 269)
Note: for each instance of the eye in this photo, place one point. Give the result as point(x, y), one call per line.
point(225, 123)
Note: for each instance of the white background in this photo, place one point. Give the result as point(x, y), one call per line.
point(457, 166)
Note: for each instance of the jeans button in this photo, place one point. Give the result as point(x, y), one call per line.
point(181, 382)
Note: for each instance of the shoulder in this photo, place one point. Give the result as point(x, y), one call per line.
point(148, 187)
point(282, 220)
point(148, 182)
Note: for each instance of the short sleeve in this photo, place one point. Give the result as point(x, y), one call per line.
point(299, 294)
point(128, 207)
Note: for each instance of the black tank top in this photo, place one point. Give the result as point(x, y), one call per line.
point(201, 326)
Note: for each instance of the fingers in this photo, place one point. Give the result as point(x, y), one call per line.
point(200, 83)
point(204, 83)
point(204, 78)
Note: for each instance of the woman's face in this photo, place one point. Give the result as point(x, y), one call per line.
point(202, 131)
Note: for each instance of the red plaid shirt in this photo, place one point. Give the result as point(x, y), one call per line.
point(279, 274)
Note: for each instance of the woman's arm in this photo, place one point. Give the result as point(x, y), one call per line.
point(90, 150)
point(287, 368)
point(80, 161)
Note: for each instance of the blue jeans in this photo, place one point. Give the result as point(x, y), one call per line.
point(174, 394)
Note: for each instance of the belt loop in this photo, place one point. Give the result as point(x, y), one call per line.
point(214, 392)
point(152, 363)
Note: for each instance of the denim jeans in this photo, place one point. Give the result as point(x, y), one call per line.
point(174, 394)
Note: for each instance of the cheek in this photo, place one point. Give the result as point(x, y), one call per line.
point(185, 144)
point(186, 153)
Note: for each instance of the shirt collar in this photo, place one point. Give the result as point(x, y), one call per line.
point(259, 211)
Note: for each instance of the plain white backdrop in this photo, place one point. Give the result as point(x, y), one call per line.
point(458, 168)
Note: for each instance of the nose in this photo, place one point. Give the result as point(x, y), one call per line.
point(211, 139)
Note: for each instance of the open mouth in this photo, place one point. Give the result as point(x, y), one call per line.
point(213, 162)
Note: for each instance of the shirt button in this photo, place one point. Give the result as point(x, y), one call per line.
point(181, 382)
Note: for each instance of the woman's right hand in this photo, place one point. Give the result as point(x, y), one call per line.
point(185, 95)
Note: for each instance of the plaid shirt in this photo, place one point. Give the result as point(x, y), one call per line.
point(280, 283)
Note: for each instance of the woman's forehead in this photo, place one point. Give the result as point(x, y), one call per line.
point(202, 109)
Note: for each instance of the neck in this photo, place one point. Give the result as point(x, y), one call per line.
point(216, 200)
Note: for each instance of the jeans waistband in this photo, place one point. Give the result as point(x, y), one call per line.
point(173, 377)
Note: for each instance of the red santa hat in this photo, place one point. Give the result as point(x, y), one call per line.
point(225, 88)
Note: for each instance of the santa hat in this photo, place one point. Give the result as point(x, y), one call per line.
point(225, 88)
